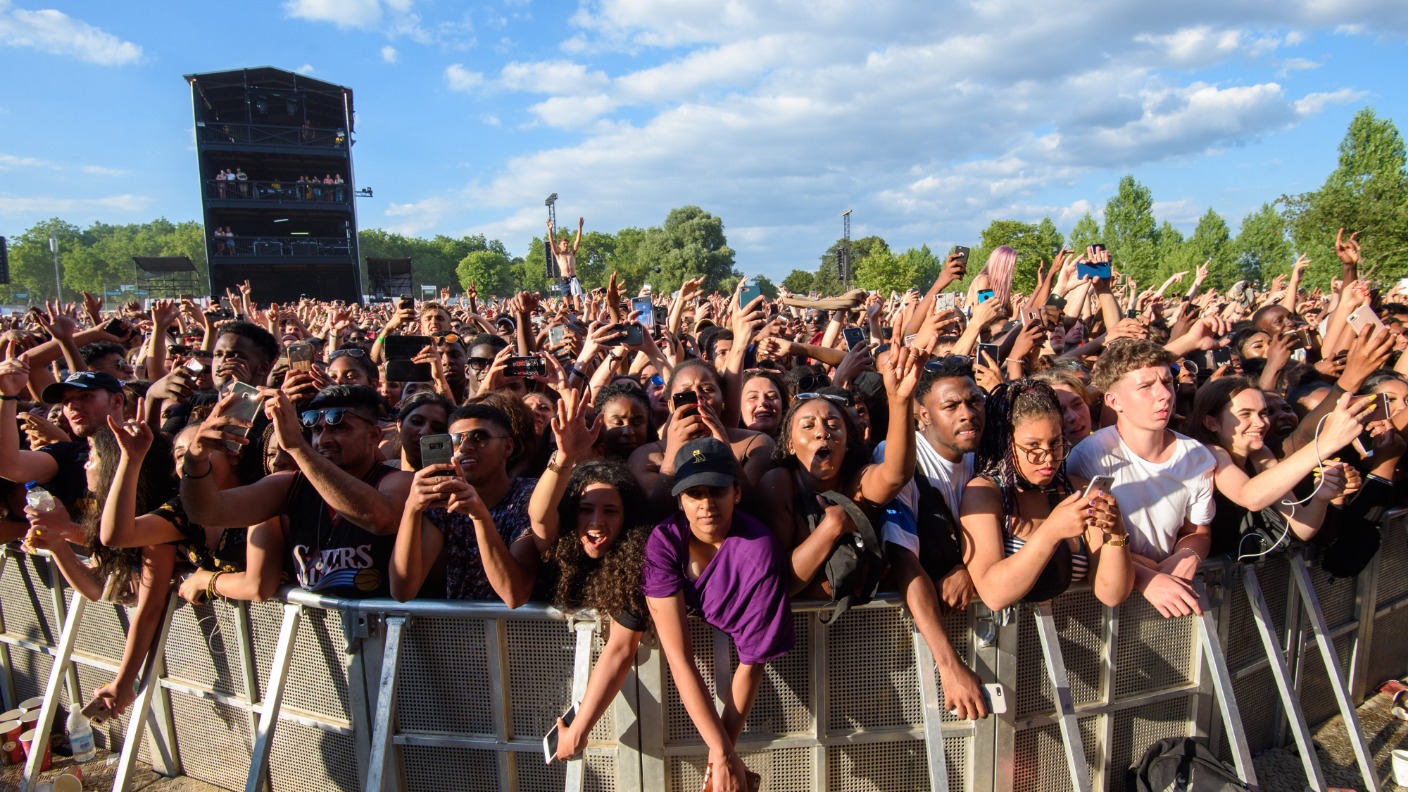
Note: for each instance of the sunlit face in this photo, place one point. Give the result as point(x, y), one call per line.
point(432, 322)
point(624, 426)
point(427, 419)
point(817, 438)
point(113, 364)
point(1395, 397)
point(709, 511)
point(87, 411)
point(703, 382)
point(541, 408)
point(1256, 345)
point(1039, 444)
point(489, 461)
point(1243, 423)
point(351, 443)
point(1282, 416)
point(342, 371)
point(232, 350)
point(1143, 398)
point(454, 359)
point(1075, 414)
point(951, 416)
point(600, 517)
point(762, 405)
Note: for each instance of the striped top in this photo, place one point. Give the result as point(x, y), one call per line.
point(1080, 562)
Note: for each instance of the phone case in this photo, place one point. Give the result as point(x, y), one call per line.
point(437, 449)
point(550, 739)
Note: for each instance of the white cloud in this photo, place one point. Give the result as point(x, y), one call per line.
point(364, 14)
point(1194, 46)
point(57, 33)
point(458, 78)
point(99, 170)
point(306, 68)
point(37, 205)
point(1297, 64)
point(14, 162)
point(550, 77)
point(388, 54)
point(418, 217)
point(1313, 103)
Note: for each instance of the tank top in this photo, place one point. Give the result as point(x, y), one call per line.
point(330, 554)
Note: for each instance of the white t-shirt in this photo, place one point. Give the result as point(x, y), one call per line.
point(949, 478)
point(1155, 498)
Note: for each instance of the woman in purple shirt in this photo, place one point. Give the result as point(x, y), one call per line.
point(729, 568)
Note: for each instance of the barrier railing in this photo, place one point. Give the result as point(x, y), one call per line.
point(314, 693)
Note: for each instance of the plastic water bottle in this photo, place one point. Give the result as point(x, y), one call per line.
point(80, 734)
point(38, 498)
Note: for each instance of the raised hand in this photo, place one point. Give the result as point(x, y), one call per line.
point(1347, 249)
point(134, 437)
point(575, 436)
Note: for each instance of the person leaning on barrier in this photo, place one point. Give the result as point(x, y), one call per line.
point(1029, 532)
point(1163, 480)
point(920, 533)
point(713, 559)
point(821, 450)
point(472, 515)
point(343, 504)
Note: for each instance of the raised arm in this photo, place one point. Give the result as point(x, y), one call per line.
point(17, 465)
point(881, 482)
point(418, 541)
point(577, 243)
point(574, 444)
point(120, 525)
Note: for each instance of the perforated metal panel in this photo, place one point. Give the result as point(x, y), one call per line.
point(605, 728)
point(317, 679)
point(265, 619)
point(1153, 653)
point(1133, 731)
point(541, 689)
point(101, 635)
point(306, 759)
point(1040, 761)
point(31, 673)
point(1258, 701)
point(438, 769)
point(1317, 697)
point(25, 601)
point(601, 773)
point(679, 729)
point(1393, 560)
point(1336, 596)
point(202, 648)
point(879, 767)
point(1387, 658)
point(213, 740)
point(432, 651)
point(784, 770)
point(871, 673)
point(783, 705)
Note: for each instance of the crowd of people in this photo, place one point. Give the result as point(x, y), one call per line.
point(234, 183)
point(656, 456)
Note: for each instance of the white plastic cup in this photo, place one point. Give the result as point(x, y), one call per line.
point(1400, 767)
point(68, 783)
point(30, 704)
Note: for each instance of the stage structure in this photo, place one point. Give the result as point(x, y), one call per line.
point(168, 277)
point(388, 278)
point(284, 216)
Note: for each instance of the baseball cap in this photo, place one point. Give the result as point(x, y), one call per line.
point(83, 380)
point(704, 462)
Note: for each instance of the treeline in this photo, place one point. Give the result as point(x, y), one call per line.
point(1367, 192)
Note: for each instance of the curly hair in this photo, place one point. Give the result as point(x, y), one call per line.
point(857, 455)
point(1007, 405)
point(1126, 355)
point(611, 584)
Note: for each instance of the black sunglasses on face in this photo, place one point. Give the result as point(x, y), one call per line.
point(477, 438)
point(332, 416)
point(478, 363)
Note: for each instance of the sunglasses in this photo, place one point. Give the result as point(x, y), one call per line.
point(178, 349)
point(349, 352)
point(477, 438)
point(449, 337)
point(332, 416)
point(949, 360)
point(478, 363)
point(831, 397)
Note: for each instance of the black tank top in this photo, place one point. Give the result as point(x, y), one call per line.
point(330, 554)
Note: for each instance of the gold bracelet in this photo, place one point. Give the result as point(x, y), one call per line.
point(210, 593)
point(1116, 541)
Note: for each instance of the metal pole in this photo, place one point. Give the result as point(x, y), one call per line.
point(58, 285)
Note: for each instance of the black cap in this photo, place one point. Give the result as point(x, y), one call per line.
point(83, 380)
point(705, 462)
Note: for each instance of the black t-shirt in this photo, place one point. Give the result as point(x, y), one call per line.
point(70, 484)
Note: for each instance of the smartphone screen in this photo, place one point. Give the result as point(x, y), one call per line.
point(646, 308)
point(245, 408)
point(854, 337)
point(635, 335)
point(550, 739)
point(1102, 483)
point(988, 354)
point(526, 367)
point(556, 334)
point(405, 347)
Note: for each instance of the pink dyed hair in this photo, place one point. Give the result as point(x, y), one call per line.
point(1001, 263)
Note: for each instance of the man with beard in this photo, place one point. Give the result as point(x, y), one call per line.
point(342, 504)
point(920, 531)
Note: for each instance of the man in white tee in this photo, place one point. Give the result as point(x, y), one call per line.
point(1163, 480)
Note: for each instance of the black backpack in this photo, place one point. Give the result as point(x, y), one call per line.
point(856, 564)
point(1182, 764)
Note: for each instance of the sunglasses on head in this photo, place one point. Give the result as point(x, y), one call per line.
point(332, 416)
point(831, 397)
point(448, 337)
point(337, 353)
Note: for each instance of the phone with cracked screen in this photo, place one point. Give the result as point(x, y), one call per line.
point(945, 301)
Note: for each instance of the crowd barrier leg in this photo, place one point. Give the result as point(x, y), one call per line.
point(933, 714)
point(145, 709)
point(1061, 690)
point(1261, 614)
point(496, 643)
point(581, 671)
point(60, 670)
point(1366, 599)
point(383, 745)
point(273, 699)
point(249, 671)
point(1211, 642)
point(1300, 577)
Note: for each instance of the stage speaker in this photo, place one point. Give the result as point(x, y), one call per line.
point(4, 262)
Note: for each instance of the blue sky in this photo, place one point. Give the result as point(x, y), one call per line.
point(928, 120)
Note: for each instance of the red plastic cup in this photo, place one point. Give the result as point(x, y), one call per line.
point(32, 703)
point(27, 742)
point(10, 750)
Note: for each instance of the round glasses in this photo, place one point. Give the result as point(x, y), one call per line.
point(1038, 454)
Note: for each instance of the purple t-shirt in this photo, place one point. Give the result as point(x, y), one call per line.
point(743, 590)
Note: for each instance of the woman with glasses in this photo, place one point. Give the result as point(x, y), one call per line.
point(1028, 531)
point(821, 449)
point(352, 366)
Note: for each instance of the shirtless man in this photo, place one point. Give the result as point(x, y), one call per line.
point(567, 259)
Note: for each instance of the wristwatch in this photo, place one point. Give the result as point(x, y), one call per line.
point(1114, 540)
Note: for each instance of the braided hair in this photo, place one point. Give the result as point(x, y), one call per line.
point(1008, 404)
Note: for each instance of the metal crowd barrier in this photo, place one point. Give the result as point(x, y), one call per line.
point(315, 693)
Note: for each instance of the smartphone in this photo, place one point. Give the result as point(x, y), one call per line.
point(854, 337)
point(118, 328)
point(1100, 271)
point(646, 309)
point(436, 449)
point(527, 366)
point(1102, 483)
point(992, 353)
point(996, 698)
point(556, 335)
point(404, 301)
point(550, 739)
point(405, 347)
point(1099, 247)
point(749, 293)
point(245, 408)
point(945, 301)
point(97, 712)
point(194, 366)
point(682, 398)
point(1363, 317)
point(300, 357)
point(962, 255)
point(635, 335)
point(984, 295)
point(1222, 356)
point(406, 371)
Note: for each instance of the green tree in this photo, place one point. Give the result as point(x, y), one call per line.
point(1085, 234)
point(799, 281)
point(765, 283)
point(1211, 239)
point(827, 282)
point(1129, 230)
point(883, 271)
point(1367, 192)
point(1262, 247)
point(690, 243)
point(925, 265)
point(489, 270)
